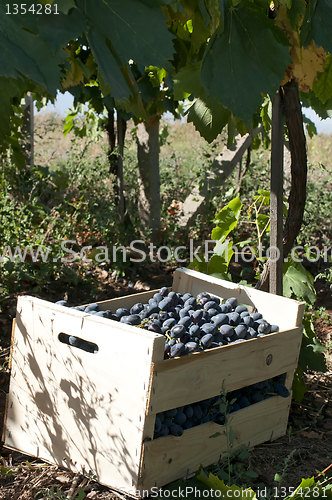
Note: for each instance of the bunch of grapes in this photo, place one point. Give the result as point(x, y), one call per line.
point(215, 409)
point(190, 324)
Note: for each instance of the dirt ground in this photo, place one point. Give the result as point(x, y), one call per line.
point(307, 446)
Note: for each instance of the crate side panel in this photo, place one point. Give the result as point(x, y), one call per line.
point(170, 458)
point(278, 310)
point(199, 376)
point(79, 410)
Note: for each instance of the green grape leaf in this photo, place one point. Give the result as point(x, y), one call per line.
point(65, 5)
point(296, 11)
point(299, 388)
point(310, 126)
point(322, 87)
point(298, 284)
point(227, 219)
point(209, 117)
point(27, 54)
point(135, 30)
point(59, 30)
point(217, 265)
point(187, 81)
point(317, 25)
point(108, 66)
point(238, 55)
point(312, 355)
point(9, 88)
point(226, 491)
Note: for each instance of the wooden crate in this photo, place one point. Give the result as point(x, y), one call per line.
point(96, 412)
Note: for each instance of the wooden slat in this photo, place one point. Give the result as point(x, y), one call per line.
point(281, 311)
point(80, 410)
point(170, 458)
point(185, 380)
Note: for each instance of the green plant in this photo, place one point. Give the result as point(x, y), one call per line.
point(297, 281)
point(52, 494)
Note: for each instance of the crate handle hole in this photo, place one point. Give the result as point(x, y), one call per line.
point(79, 343)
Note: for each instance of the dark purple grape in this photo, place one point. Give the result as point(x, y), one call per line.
point(158, 297)
point(220, 319)
point(241, 309)
point(251, 333)
point(196, 316)
point(114, 317)
point(240, 331)
point(256, 397)
point(208, 305)
point(256, 316)
point(186, 296)
point(137, 308)
point(226, 331)
point(104, 314)
point(167, 349)
point(64, 303)
point(274, 328)
point(245, 314)
point(174, 297)
point(191, 302)
point(188, 411)
point(192, 346)
point(152, 301)
point(163, 316)
point(164, 291)
point(153, 309)
point(232, 301)
point(225, 308)
point(78, 308)
point(180, 418)
point(177, 349)
point(171, 413)
point(185, 338)
point(203, 301)
point(195, 331)
point(154, 316)
point(243, 402)
point(122, 311)
point(176, 430)
point(165, 304)
point(185, 321)
point(169, 323)
point(212, 312)
point(234, 318)
point(157, 425)
point(209, 328)
point(94, 308)
point(177, 331)
point(248, 321)
point(164, 431)
point(198, 414)
point(264, 328)
point(154, 328)
point(207, 340)
point(281, 390)
point(215, 299)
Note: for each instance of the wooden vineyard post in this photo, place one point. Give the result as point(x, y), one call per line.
point(28, 130)
point(276, 200)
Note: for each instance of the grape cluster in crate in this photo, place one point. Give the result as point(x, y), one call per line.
point(190, 324)
point(215, 409)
